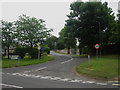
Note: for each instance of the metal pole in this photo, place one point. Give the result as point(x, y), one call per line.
point(88, 60)
point(96, 53)
point(38, 54)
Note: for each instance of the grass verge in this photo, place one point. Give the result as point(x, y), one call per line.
point(62, 53)
point(6, 63)
point(105, 67)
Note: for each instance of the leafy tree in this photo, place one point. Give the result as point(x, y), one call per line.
point(51, 42)
point(7, 35)
point(118, 28)
point(90, 22)
point(66, 39)
point(31, 31)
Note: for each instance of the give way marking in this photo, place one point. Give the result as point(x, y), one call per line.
point(10, 85)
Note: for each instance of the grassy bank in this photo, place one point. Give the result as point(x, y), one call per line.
point(24, 62)
point(61, 53)
point(105, 67)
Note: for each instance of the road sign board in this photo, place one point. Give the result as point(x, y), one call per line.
point(97, 46)
point(42, 48)
point(39, 47)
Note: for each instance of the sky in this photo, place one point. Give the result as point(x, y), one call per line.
point(52, 11)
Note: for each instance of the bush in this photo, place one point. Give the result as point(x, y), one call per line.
point(27, 56)
point(33, 52)
point(46, 49)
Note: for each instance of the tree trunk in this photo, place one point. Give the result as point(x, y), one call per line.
point(31, 45)
point(8, 52)
point(68, 51)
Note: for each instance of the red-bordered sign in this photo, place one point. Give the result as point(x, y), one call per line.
point(39, 47)
point(97, 46)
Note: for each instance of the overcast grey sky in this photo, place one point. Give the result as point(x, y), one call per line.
point(54, 13)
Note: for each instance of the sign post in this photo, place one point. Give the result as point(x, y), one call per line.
point(88, 60)
point(97, 46)
point(39, 52)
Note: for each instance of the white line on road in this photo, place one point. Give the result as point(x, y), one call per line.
point(11, 85)
point(101, 83)
point(116, 84)
point(75, 81)
point(66, 61)
point(41, 68)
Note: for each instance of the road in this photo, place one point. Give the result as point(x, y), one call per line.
point(59, 73)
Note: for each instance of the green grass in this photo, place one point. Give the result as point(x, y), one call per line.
point(24, 62)
point(82, 55)
point(105, 67)
point(61, 53)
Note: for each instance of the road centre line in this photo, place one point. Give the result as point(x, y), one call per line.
point(66, 61)
point(41, 68)
point(11, 85)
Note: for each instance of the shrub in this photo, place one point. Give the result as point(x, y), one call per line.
point(33, 52)
point(27, 56)
point(46, 49)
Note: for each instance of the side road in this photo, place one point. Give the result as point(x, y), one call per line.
point(61, 69)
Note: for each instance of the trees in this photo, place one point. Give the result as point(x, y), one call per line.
point(90, 22)
point(118, 28)
point(66, 39)
point(8, 35)
point(51, 42)
point(27, 31)
point(31, 31)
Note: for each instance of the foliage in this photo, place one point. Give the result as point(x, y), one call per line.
point(105, 67)
point(8, 37)
point(27, 56)
point(30, 30)
point(90, 23)
point(23, 50)
point(51, 42)
point(7, 63)
point(45, 49)
point(66, 39)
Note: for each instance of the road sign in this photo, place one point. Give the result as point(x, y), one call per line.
point(39, 47)
point(42, 48)
point(97, 46)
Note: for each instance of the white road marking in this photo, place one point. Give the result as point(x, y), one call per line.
point(11, 85)
point(44, 77)
point(28, 75)
point(52, 78)
point(75, 81)
point(90, 81)
point(113, 81)
point(61, 79)
point(66, 61)
point(84, 82)
point(101, 83)
point(57, 78)
point(65, 79)
point(116, 84)
point(41, 68)
point(15, 73)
